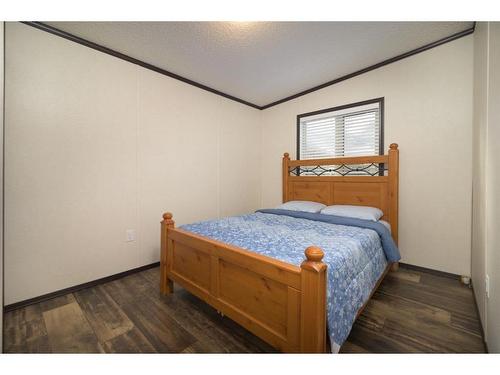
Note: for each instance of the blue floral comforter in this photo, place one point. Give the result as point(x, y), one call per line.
point(354, 255)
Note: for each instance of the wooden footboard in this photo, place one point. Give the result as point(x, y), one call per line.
point(285, 305)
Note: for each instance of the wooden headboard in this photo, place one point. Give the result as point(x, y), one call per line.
point(364, 181)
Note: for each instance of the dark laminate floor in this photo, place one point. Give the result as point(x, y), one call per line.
point(412, 311)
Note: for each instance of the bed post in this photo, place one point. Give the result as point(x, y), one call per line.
point(286, 160)
point(394, 193)
point(313, 302)
point(166, 285)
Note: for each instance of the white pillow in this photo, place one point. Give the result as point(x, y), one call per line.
point(358, 212)
point(305, 206)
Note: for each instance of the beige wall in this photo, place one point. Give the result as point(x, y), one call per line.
point(493, 190)
point(486, 208)
point(428, 111)
point(195, 162)
point(478, 254)
point(96, 146)
point(1, 178)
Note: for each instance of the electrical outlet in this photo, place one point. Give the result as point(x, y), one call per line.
point(487, 286)
point(129, 235)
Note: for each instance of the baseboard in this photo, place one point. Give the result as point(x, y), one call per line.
point(429, 270)
point(76, 288)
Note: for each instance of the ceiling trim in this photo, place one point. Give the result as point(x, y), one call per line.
point(63, 34)
point(53, 30)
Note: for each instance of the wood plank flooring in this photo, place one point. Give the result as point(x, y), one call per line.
point(412, 311)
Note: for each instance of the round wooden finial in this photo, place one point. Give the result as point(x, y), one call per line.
point(393, 146)
point(167, 216)
point(286, 155)
point(314, 254)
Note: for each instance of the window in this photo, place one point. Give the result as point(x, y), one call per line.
point(349, 130)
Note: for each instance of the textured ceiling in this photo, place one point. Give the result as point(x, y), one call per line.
point(262, 62)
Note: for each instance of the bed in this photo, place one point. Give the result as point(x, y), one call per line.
point(251, 267)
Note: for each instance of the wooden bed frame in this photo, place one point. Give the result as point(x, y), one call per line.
point(283, 304)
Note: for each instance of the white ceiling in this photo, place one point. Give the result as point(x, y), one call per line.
point(262, 62)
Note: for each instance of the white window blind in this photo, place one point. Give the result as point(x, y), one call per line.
point(353, 131)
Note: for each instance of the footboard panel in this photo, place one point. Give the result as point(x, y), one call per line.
point(257, 292)
point(191, 264)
